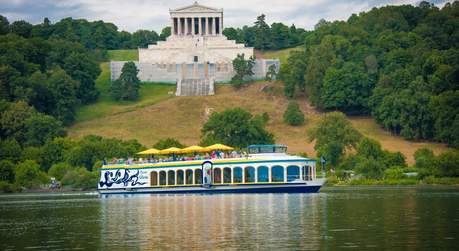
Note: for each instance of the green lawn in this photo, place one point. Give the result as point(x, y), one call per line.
point(282, 55)
point(150, 93)
point(123, 55)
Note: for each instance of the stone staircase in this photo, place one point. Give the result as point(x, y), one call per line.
point(195, 87)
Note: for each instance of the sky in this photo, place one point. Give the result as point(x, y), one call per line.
point(131, 15)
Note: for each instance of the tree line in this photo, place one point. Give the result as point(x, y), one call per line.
point(398, 63)
point(262, 36)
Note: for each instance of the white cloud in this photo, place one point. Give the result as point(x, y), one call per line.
point(148, 14)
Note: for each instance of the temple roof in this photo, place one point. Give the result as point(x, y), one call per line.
point(196, 7)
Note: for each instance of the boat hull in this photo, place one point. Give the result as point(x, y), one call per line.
point(312, 187)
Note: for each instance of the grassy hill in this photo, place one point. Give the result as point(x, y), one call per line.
point(159, 114)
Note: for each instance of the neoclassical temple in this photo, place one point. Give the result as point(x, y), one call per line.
point(195, 55)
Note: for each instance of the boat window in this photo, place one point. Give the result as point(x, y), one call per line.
point(254, 149)
point(249, 174)
point(180, 177)
point(263, 174)
point(198, 176)
point(293, 173)
point(154, 178)
point(237, 175)
point(162, 178)
point(277, 173)
point(171, 178)
point(217, 176)
point(227, 175)
point(189, 176)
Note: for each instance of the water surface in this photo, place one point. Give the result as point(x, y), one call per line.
point(406, 218)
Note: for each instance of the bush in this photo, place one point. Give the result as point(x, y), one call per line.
point(293, 115)
point(7, 171)
point(80, 178)
point(167, 143)
point(394, 173)
point(29, 175)
point(59, 170)
point(8, 188)
point(447, 164)
point(127, 86)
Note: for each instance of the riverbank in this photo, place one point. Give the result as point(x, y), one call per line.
point(333, 181)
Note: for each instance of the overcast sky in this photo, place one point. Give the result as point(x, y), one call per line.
point(132, 15)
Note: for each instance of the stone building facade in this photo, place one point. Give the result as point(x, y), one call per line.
point(196, 53)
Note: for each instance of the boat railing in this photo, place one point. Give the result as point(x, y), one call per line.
point(168, 160)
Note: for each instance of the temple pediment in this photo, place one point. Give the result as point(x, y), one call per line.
point(196, 8)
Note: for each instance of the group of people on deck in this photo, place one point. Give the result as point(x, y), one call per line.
point(197, 156)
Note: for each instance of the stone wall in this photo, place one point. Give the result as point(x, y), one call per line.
point(170, 73)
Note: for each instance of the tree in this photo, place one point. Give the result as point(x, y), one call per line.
point(127, 86)
point(243, 69)
point(346, 89)
point(42, 128)
point(56, 151)
point(334, 134)
point(425, 158)
point(7, 171)
point(143, 38)
point(167, 143)
point(272, 73)
point(59, 170)
point(235, 127)
point(262, 33)
point(10, 150)
point(445, 109)
point(4, 25)
point(293, 115)
point(165, 33)
point(28, 175)
point(12, 120)
point(448, 164)
point(22, 28)
point(64, 90)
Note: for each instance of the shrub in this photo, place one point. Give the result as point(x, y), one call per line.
point(293, 115)
point(7, 171)
point(29, 175)
point(80, 178)
point(59, 170)
point(447, 164)
point(394, 173)
point(168, 142)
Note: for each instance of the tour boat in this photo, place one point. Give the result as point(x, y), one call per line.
point(264, 169)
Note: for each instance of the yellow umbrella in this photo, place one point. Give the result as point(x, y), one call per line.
point(219, 147)
point(171, 150)
point(149, 152)
point(193, 149)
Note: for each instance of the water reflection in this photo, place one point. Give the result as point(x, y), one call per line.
point(338, 218)
point(241, 221)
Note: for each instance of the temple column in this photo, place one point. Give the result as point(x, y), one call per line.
point(199, 26)
point(214, 26)
point(221, 25)
point(193, 27)
point(180, 29)
point(186, 26)
point(207, 26)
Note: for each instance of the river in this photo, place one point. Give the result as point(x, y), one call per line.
point(359, 218)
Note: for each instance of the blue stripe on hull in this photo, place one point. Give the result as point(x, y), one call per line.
point(286, 189)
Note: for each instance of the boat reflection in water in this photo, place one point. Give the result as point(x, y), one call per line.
point(240, 221)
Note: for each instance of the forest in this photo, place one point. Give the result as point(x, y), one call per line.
point(398, 63)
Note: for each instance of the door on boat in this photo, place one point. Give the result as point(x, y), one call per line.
point(207, 174)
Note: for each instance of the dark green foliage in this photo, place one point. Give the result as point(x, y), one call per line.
point(59, 170)
point(10, 150)
point(127, 86)
point(7, 171)
point(447, 164)
point(167, 143)
point(334, 134)
point(21, 28)
point(371, 161)
point(293, 115)
point(80, 178)
point(64, 89)
point(399, 63)
point(243, 69)
point(272, 73)
point(142, 38)
point(425, 158)
point(235, 127)
point(29, 175)
point(41, 128)
point(165, 32)
point(265, 37)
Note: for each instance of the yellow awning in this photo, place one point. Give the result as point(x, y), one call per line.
point(193, 149)
point(149, 152)
point(219, 147)
point(170, 150)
